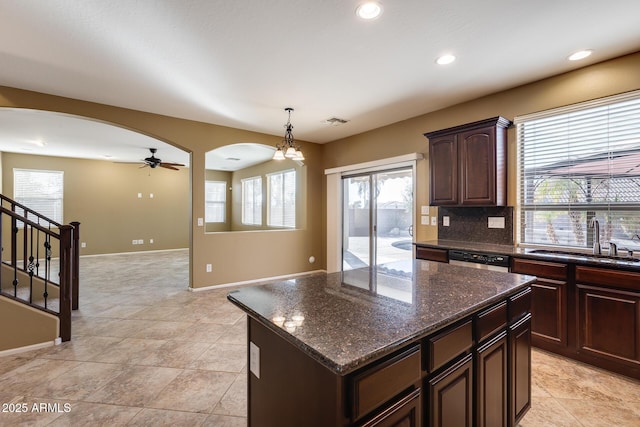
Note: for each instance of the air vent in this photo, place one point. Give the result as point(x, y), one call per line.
point(334, 121)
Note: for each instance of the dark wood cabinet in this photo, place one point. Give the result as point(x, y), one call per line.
point(432, 254)
point(549, 325)
point(407, 412)
point(491, 385)
point(589, 313)
point(451, 395)
point(467, 164)
point(519, 369)
point(460, 375)
point(609, 314)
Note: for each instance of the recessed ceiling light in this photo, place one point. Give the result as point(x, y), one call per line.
point(445, 59)
point(581, 54)
point(369, 10)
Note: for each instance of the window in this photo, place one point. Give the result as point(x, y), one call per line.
point(215, 201)
point(40, 190)
point(252, 201)
point(580, 163)
point(282, 199)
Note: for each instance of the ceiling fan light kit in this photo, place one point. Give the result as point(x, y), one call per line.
point(153, 162)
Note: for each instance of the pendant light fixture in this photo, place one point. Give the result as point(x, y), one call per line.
point(287, 149)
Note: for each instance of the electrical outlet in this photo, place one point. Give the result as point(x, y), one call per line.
point(200, 222)
point(445, 221)
point(254, 359)
point(140, 242)
point(134, 242)
point(151, 195)
point(83, 244)
point(139, 195)
point(209, 268)
point(434, 220)
point(151, 241)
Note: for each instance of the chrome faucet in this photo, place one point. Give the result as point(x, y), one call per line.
point(597, 249)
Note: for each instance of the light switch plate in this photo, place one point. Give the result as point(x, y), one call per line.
point(496, 222)
point(424, 220)
point(254, 359)
point(424, 210)
point(200, 222)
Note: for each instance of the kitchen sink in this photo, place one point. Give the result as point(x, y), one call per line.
point(602, 258)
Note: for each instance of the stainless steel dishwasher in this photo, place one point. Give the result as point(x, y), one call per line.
point(479, 260)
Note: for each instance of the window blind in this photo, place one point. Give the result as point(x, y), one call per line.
point(282, 199)
point(252, 201)
point(580, 163)
point(40, 190)
point(215, 201)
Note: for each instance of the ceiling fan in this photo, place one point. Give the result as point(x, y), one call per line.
point(153, 162)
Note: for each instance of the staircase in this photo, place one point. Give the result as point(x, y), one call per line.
point(40, 262)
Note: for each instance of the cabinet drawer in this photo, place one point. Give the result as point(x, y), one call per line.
point(381, 383)
point(608, 277)
point(551, 270)
point(432, 254)
point(491, 321)
point(448, 345)
point(519, 305)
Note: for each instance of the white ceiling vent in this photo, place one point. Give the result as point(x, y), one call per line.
point(334, 121)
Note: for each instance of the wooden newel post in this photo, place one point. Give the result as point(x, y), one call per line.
point(66, 263)
point(75, 266)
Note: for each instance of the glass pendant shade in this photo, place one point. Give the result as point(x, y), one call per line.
point(278, 155)
point(290, 153)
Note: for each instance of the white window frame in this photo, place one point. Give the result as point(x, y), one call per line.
point(602, 132)
point(31, 189)
point(252, 200)
point(215, 209)
point(281, 212)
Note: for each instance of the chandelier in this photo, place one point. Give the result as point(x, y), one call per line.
point(288, 149)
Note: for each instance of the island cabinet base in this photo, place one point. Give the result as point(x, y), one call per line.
point(475, 371)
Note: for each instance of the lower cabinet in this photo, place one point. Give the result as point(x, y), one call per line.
point(407, 412)
point(451, 396)
point(491, 383)
point(519, 369)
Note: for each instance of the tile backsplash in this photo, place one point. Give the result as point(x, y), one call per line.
point(472, 224)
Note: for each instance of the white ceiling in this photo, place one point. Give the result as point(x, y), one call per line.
point(240, 63)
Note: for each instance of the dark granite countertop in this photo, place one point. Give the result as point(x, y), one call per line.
point(344, 324)
point(586, 258)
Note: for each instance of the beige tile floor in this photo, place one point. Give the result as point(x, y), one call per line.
point(145, 351)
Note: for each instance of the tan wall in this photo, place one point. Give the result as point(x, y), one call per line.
point(607, 78)
point(235, 256)
point(35, 326)
point(103, 197)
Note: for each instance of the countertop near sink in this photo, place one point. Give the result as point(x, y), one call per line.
point(585, 259)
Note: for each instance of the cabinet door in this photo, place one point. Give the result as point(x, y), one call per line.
point(451, 396)
point(491, 383)
point(405, 413)
point(519, 342)
point(548, 308)
point(477, 158)
point(443, 165)
point(610, 321)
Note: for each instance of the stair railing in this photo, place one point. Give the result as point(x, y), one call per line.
point(30, 275)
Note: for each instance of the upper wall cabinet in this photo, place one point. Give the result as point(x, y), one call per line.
point(468, 164)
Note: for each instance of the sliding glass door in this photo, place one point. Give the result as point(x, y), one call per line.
point(377, 218)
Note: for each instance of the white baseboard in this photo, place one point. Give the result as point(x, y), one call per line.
point(252, 282)
point(39, 346)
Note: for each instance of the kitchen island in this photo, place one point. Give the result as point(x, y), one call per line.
point(420, 342)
